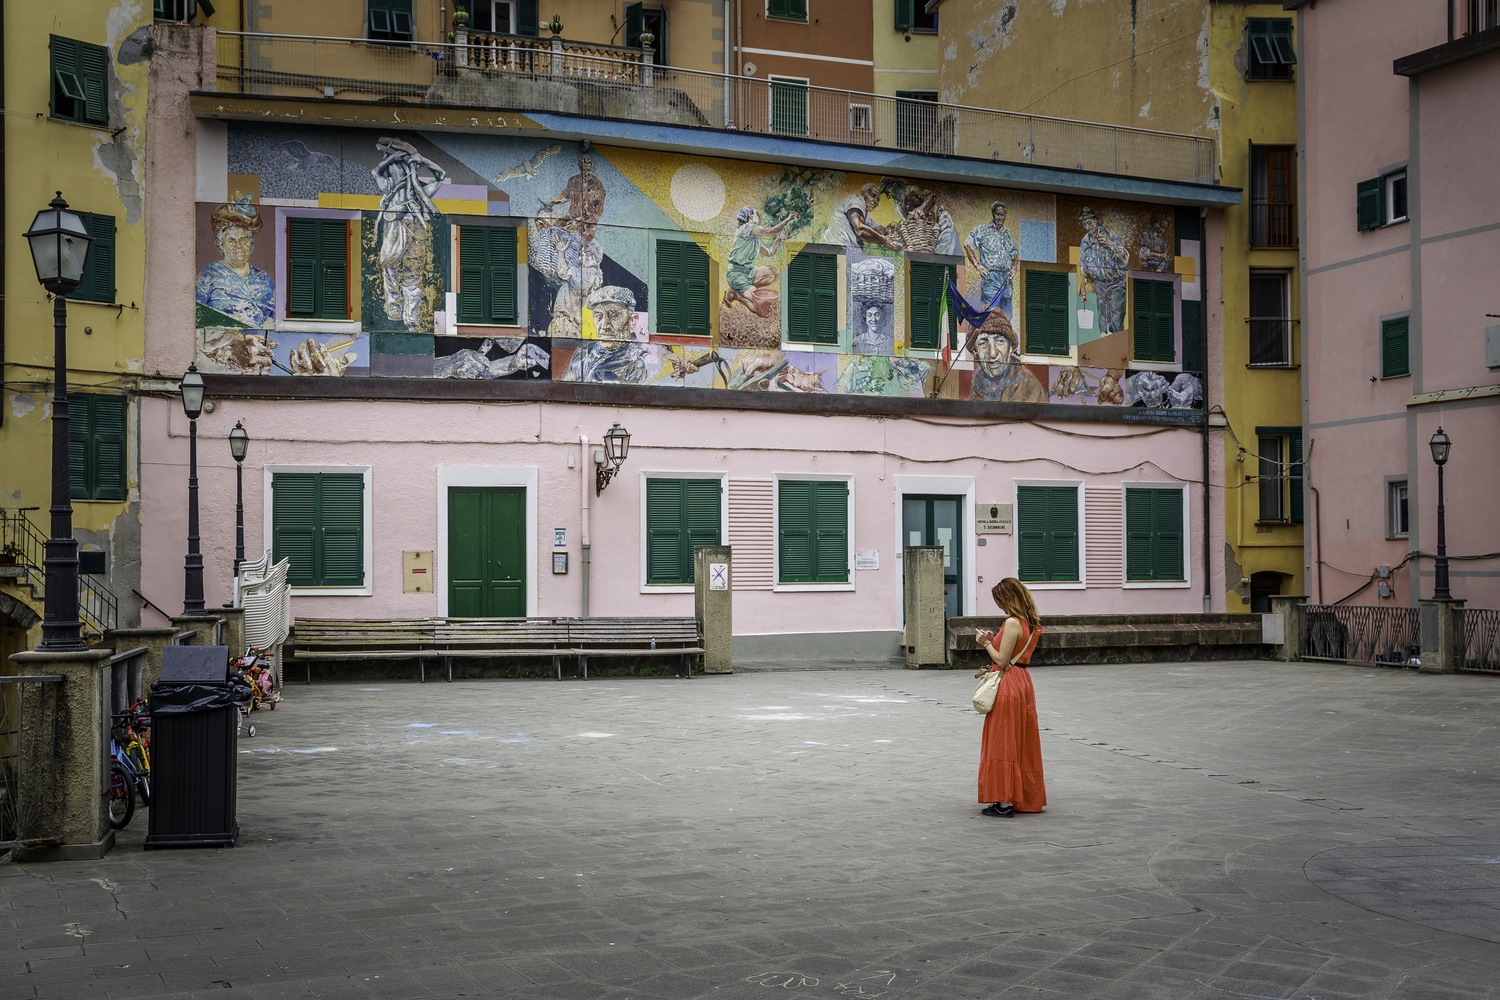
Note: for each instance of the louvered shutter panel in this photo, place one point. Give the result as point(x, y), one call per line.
point(634, 24)
point(1031, 532)
point(703, 519)
point(1167, 564)
point(795, 532)
point(98, 283)
point(1294, 474)
point(1037, 336)
point(831, 532)
point(93, 73)
point(294, 525)
point(333, 267)
point(1369, 204)
point(107, 447)
point(1395, 358)
point(905, 14)
point(64, 62)
point(1057, 312)
point(664, 541)
point(1140, 529)
point(473, 262)
point(302, 266)
point(799, 280)
point(1192, 336)
point(1062, 543)
point(502, 263)
point(825, 299)
point(924, 330)
point(948, 276)
point(80, 426)
point(341, 523)
point(668, 286)
point(695, 271)
point(526, 17)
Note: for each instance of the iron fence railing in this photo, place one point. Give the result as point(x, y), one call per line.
point(1479, 641)
point(1379, 636)
point(503, 73)
point(22, 541)
point(28, 730)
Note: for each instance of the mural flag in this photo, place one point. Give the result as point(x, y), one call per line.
point(974, 317)
point(947, 342)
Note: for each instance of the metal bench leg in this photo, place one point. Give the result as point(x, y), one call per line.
point(557, 665)
point(422, 669)
point(583, 666)
point(448, 662)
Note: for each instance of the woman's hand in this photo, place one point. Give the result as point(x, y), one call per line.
point(983, 637)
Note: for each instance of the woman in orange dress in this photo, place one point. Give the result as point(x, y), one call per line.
point(1010, 752)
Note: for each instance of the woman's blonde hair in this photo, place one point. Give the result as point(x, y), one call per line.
point(1014, 599)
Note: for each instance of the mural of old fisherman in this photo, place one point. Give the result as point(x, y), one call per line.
point(1102, 262)
point(407, 181)
point(1001, 376)
point(234, 287)
point(991, 250)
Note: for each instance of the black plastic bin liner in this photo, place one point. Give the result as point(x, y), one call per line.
point(195, 714)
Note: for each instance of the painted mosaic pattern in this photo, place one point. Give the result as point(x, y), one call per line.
point(594, 302)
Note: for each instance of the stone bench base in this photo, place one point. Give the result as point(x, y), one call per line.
point(1122, 639)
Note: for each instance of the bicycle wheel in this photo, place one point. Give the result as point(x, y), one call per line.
point(137, 755)
point(121, 798)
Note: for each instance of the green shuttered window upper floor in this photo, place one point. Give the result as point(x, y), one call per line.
point(1395, 347)
point(487, 275)
point(390, 20)
point(317, 268)
point(98, 284)
point(812, 532)
point(317, 522)
point(1047, 533)
point(927, 284)
point(1155, 321)
point(1047, 312)
point(79, 81)
point(1153, 534)
point(96, 445)
point(681, 514)
point(682, 279)
point(812, 281)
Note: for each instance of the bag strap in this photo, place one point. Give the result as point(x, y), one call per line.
point(1030, 643)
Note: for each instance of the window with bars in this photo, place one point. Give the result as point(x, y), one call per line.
point(98, 284)
point(1280, 474)
point(681, 514)
point(1047, 310)
point(1047, 534)
point(317, 522)
point(389, 20)
point(918, 115)
point(812, 531)
point(317, 268)
point(79, 81)
point(928, 310)
point(812, 283)
point(1153, 534)
point(682, 278)
point(96, 445)
point(487, 275)
point(788, 105)
point(1270, 319)
point(1395, 347)
point(1483, 15)
point(1155, 334)
point(1271, 53)
point(1273, 196)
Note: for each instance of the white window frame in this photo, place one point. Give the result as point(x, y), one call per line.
point(1389, 182)
point(1286, 318)
point(1015, 544)
point(450, 476)
point(1187, 533)
point(858, 112)
point(510, 16)
point(723, 478)
point(268, 520)
point(1394, 487)
point(807, 477)
point(1282, 461)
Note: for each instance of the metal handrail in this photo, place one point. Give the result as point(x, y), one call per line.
point(98, 608)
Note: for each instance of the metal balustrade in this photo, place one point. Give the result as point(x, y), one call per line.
point(519, 74)
point(1361, 634)
point(1478, 641)
point(26, 544)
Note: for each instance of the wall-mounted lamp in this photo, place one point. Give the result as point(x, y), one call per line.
point(608, 461)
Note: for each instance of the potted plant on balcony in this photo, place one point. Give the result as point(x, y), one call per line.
point(9, 555)
point(460, 17)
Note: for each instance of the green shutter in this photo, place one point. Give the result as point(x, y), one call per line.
point(526, 18)
point(799, 284)
point(1294, 474)
point(825, 299)
point(93, 72)
point(1047, 533)
point(302, 266)
point(294, 525)
point(79, 81)
point(390, 20)
point(789, 107)
point(905, 14)
point(664, 536)
point(1192, 337)
point(502, 277)
point(1155, 326)
point(317, 522)
point(1395, 357)
point(695, 272)
point(923, 310)
point(831, 532)
point(318, 268)
point(80, 433)
point(1370, 204)
point(1153, 534)
point(702, 519)
point(795, 9)
point(333, 268)
point(1031, 532)
point(98, 284)
point(1046, 312)
point(107, 448)
point(668, 286)
point(486, 274)
point(341, 524)
point(1062, 526)
point(794, 532)
point(635, 22)
point(473, 263)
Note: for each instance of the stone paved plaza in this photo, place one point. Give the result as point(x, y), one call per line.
point(1214, 830)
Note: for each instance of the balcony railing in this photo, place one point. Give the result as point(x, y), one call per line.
point(519, 73)
point(1273, 224)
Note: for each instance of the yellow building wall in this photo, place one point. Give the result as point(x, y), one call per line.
point(99, 170)
point(904, 60)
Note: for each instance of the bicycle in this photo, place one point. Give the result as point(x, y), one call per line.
point(126, 778)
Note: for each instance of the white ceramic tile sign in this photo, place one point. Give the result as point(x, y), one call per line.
point(867, 559)
point(718, 576)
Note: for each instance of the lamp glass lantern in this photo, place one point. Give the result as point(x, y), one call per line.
point(59, 247)
point(616, 445)
point(239, 441)
point(1440, 445)
point(191, 387)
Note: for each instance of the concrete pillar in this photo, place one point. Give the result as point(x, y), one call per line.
point(1440, 624)
point(234, 629)
point(926, 626)
point(203, 627)
point(713, 604)
point(74, 809)
point(461, 47)
point(1290, 619)
point(557, 67)
point(648, 67)
point(154, 640)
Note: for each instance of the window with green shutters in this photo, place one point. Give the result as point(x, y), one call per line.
point(681, 514)
point(1155, 323)
point(487, 274)
point(926, 287)
point(1047, 311)
point(812, 531)
point(318, 522)
point(1047, 533)
point(682, 271)
point(788, 105)
point(317, 268)
point(812, 284)
point(1271, 53)
point(80, 81)
point(1395, 348)
point(96, 445)
point(1153, 534)
point(1370, 204)
point(389, 20)
point(98, 284)
point(913, 15)
point(792, 10)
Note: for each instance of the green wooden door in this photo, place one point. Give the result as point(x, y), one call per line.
point(487, 552)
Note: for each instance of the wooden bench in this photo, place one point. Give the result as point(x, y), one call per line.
point(350, 639)
point(488, 638)
point(635, 637)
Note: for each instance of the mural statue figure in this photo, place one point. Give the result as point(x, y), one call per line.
point(229, 350)
point(926, 226)
point(991, 250)
point(1185, 392)
point(233, 286)
point(518, 356)
point(748, 281)
point(313, 358)
point(613, 307)
point(752, 369)
point(851, 226)
point(1109, 392)
point(584, 194)
point(1071, 381)
point(407, 181)
point(1001, 376)
point(1153, 252)
point(868, 375)
point(1102, 262)
point(575, 263)
point(608, 361)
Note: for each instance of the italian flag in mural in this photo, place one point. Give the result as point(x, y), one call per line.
point(947, 351)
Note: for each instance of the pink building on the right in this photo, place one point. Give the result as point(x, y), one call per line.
point(1401, 282)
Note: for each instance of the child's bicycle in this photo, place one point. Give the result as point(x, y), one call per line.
point(129, 769)
point(252, 671)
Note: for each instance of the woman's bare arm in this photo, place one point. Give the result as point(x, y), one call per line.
point(1004, 647)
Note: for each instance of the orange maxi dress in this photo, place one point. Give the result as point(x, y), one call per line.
point(1010, 752)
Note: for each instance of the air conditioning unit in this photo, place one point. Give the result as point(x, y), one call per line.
point(859, 118)
point(1492, 347)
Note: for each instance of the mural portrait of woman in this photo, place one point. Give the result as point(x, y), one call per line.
point(233, 286)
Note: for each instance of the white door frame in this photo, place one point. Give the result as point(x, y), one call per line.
point(449, 477)
point(948, 486)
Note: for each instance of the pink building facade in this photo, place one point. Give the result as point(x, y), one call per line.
point(436, 381)
point(1402, 234)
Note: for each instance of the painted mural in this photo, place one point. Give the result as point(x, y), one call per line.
point(591, 295)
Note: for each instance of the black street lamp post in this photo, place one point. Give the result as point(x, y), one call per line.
point(239, 444)
point(1440, 445)
point(59, 247)
point(192, 583)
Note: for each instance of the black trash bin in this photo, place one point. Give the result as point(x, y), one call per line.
point(194, 723)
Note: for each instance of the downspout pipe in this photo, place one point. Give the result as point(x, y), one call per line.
point(1208, 593)
point(4, 223)
point(729, 9)
point(583, 530)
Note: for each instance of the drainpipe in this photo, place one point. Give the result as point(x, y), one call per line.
point(1208, 594)
point(3, 223)
point(583, 492)
point(729, 10)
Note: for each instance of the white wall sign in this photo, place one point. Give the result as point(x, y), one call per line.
point(718, 576)
point(867, 559)
point(994, 519)
point(559, 538)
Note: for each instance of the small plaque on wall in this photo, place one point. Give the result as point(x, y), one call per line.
point(416, 572)
point(560, 563)
point(867, 559)
point(994, 519)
